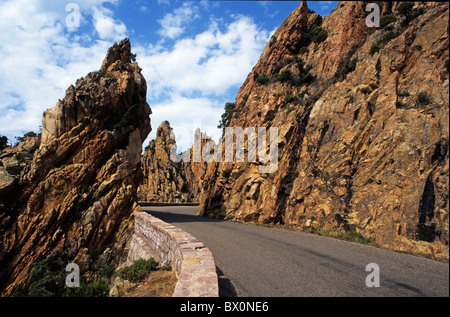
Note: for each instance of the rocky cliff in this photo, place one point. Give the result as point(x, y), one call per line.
point(167, 179)
point(78, 194)
point(362, 118)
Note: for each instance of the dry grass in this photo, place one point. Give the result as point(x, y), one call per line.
point(159, 283)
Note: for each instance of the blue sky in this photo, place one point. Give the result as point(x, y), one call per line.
point(195, 55)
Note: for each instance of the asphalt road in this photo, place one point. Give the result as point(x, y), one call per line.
point(269, 262)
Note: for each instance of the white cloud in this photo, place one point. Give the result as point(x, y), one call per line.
point(40, 59)
point(209, 63)
point(143, 9)
point(191, 81)
point(185, 115)
point(327, 5)
point(106, 26)
point(173, 24)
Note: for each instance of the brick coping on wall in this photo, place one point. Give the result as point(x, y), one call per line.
point(193, 262)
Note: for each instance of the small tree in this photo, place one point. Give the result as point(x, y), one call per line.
point(226, 116)
point(316, 34)
point(30, 134)
point(3, 142)
point(285, 75)
point(405, 8)
point(262, 79)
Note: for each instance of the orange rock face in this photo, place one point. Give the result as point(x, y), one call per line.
point(362, 118)
point(167, 179)
point(79, 192)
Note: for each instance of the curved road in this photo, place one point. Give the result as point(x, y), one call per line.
point(269, 262)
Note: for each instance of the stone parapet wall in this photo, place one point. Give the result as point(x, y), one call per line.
point(193, 262)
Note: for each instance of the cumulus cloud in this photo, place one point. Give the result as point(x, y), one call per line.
point(189, 80)
point(40, 59)
point(192, 80)
point(106, 26)
point(209, 63)
point(173, 24)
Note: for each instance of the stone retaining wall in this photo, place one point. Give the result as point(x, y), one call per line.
point(193, 262)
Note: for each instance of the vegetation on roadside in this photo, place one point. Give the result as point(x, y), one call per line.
point(48, 278)
point(138, 270)
point(348, 235)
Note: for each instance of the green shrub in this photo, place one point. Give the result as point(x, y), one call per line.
point(108, 271)
point(3, 142)
point(166, 266)
point(226, 116)
point(138, 270)
point(352, 64)
point(285, 75)
point(30, 134)
point(303, 50)
point(305, 79)
point(423, 98)
point(262, 79)
point(96, 289)
point(405, 8)
point(244, 99)
point(226, 172)
point(47, 278)
point(353, 50)
point(303, 93)
point(388, 36)
point(387, 19)
point(316, 34)
point(374, 48)
point(348, 235)
point(289, 99)
point(290, 109)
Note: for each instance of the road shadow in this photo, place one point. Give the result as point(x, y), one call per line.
point(177, 217)
point(226, 288)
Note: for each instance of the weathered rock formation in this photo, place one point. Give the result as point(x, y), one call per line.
point(14, 165)
point(362, 115)
point(167, 179)
point(79, 192)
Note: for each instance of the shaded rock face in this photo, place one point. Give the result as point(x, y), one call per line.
point(167, 179)
point(364, 145)
point(14, 166)
point(79, 193)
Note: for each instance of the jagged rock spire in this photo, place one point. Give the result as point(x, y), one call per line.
point(118, 52)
